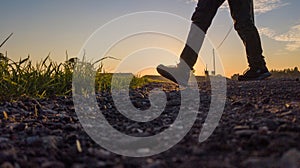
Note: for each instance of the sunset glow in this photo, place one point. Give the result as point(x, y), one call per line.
point(41, 27)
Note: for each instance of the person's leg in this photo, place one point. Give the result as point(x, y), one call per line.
point(242, 13)
point(202, 18)
point(243, 16)
point(201, 21)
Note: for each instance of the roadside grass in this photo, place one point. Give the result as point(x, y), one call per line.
point(19, 79)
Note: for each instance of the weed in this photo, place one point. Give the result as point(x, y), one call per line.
point(48, 78)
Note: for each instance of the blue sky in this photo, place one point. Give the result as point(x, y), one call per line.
point(55, 26)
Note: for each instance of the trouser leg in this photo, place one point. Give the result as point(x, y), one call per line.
point(201, 20)
point(243, 16)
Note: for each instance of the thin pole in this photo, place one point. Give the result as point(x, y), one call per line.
point(214, 62)
point(6, 39)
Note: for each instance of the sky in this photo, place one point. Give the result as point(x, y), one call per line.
point(43, 27)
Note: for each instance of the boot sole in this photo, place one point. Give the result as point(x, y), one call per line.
point(169, 76)
point(260, 77)
point(264, 76)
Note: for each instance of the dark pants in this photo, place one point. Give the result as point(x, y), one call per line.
point(243, 16)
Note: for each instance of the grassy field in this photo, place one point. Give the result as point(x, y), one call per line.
point(47, 78)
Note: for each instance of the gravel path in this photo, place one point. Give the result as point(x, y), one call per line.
point(260, 127)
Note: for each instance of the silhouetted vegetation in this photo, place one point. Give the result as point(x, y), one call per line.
point(47, 78)
point(286, 73)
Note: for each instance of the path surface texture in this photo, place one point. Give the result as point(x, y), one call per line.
point(259, 128)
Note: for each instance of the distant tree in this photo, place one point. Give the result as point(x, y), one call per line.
point(286, 73)
point(296, 69)
point(235, 77)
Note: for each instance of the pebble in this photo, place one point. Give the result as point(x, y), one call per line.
point(260, 163)
point(34, 141)
point(245, 133)
point(3, 139)
point(51, 142)
point(20, 127)
point(6, 165)
point(291, 159)
point(52, 165)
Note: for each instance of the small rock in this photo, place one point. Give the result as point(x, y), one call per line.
point(263, 130)
point(51, 142)
point(6, 165)
point(258, 141)
point(6, 145)
point(52, 164)
point(20, 127)
point(71, 138)
point(291, 159)
point(271, 124)
point(259, 163)
point(289, 128)
point(156, 164)
point(286, 113)
point(49, 111)
point(78, 165)
point(3, 139)
point(99, 153)
point(245, 133)
point(57, 132)
point(273, 110)
point(34, 141)
point(241, 127)
point(101, 164)
point(237, 103)
point(69, 128)
point(266, 100)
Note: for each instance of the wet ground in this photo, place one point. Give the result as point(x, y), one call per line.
point(260, 127)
